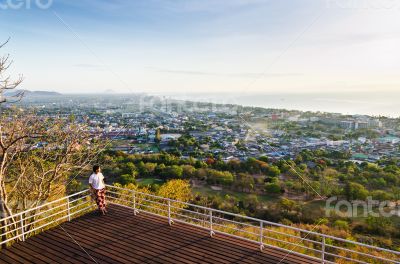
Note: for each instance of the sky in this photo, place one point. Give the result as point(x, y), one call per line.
point(204, 46)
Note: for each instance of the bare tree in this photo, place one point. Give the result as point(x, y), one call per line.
point(37, 156)
point(6, 82)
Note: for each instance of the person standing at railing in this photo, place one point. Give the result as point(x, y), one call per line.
point(98, 188)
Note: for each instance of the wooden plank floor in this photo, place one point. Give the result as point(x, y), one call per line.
point(121, 237)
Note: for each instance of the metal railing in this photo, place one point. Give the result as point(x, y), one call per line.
point(312, 245)
point(309, 244)
point(30, 222)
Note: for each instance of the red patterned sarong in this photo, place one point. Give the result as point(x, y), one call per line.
point(100, 198)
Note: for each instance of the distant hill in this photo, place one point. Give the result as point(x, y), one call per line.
point(28, 93)
point(109, 91)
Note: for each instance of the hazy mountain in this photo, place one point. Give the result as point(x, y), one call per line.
point(28, 93)
point(109, 91)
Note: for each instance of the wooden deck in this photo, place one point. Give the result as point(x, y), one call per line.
point(121, 237)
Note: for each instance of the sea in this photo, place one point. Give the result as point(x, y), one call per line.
point(350, 103)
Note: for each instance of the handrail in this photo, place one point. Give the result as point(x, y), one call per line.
point(43, 205)
point(258, 220)
point(208, 216)
point(210, 219)
point(20, 224)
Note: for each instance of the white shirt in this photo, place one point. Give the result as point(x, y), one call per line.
point(97, 181)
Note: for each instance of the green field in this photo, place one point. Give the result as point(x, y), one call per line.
point(149, 181)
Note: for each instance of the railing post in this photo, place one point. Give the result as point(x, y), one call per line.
point(135, 211)
point(69, 211)
point(22, 227)
point(211, 224)
point(261, 235)
point(323, 250)
point(169, 212)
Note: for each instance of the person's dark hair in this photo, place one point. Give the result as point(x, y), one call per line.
point(96, 168)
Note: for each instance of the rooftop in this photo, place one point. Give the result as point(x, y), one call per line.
point(145, 228)
point(122, 237)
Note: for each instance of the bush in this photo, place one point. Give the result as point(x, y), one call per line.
point(355, 191)
point(219, 177)
point(341, 224)
point(127, 179)
point(381, 195)
point(176, 190)
point(273, 188)
point(172, 172)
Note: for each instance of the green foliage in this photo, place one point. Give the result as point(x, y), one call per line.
point(126, 179)
point(264, 159)
point(322, 221)
point(74, 186)
point(244, 182)
point(273, 188)
point(378, 225)
point(287, 204)
point(328, 172)
point(381, 195)
point(341, 224)
point(273, 171)
point(251, 203)
point(171, 172)
point(219, 177)
point(355, 191)
point(188, 171)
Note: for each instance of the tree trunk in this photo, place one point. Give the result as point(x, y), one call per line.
point(5, 211)
point(3, 214)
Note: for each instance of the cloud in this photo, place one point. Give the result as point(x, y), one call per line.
point(220, 74)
